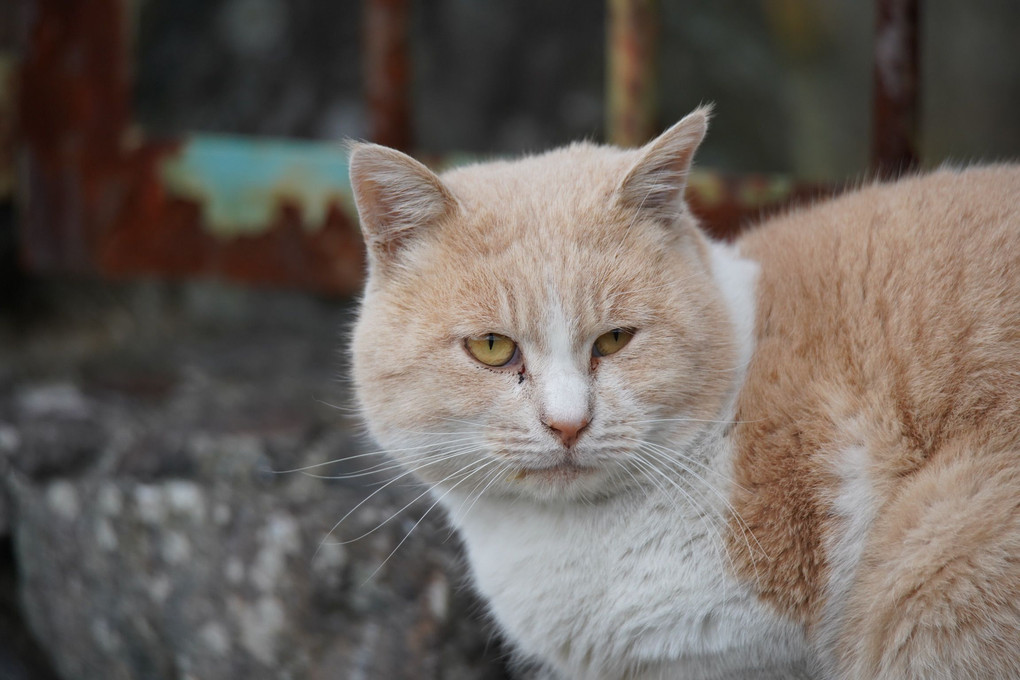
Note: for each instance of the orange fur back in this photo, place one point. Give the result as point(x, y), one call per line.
point(884, 399)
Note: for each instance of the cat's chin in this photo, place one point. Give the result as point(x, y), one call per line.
point(564, 472)
point(566, 481)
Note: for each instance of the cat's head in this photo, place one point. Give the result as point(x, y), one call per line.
point(540, 326)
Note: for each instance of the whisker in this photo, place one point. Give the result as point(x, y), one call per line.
point(434, 434)
point(459, 420)
point(386, 466)
point(406, 506)
point(619, 464)
point(666, 455)
point(380, 452)
point(500, 471)
point(647, 467)
point(714, 522)
point(693, 461)
point(709, 468)
point(433, 460)
point(483, 465)
point(354, 410)
point(325, 463)
point(362, 502)
point(694, 420)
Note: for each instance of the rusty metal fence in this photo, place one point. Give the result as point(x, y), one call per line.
point(98, 196)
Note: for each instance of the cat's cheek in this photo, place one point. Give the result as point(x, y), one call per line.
point(469, 390)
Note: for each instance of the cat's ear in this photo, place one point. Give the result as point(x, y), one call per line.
point(397, 197)
point(655, 184)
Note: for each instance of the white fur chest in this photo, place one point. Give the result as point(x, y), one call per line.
point(635, 589)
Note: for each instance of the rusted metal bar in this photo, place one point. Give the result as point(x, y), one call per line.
point(8, 97)
point(895, 92)
point(387, 72)
point(74, 112)
point(632, 69)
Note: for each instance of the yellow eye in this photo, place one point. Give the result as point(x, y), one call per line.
point(492, 349)
point(611, 342)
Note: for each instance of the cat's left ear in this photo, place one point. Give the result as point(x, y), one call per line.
point(398, 198)
point(655, 184)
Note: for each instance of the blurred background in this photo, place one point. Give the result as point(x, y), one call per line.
point(179, 255)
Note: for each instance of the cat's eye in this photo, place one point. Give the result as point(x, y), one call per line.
point(492, 349)
point(611, 342)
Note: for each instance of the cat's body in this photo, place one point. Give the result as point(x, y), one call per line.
point(880, 425)
point(806, 460)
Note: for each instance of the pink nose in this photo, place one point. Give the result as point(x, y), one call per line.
point(567, 431)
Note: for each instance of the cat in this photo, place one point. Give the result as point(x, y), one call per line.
point(793, 456)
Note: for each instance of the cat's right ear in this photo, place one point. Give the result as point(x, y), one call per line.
point(397, 197)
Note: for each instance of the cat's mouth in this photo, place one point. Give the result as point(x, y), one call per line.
point(566, 471)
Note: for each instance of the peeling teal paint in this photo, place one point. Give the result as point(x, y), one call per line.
point(239, 182)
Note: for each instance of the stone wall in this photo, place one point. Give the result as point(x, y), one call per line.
point(145, 432)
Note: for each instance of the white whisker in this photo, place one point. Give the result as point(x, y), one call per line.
point(694, 420)
point(386, 466)
point(368, 498)
point(406, 506)
point(381, 452)
point(687, 459)
point(668, 456)
point(353, 410)
point(714, 521)
point(477, 467)
point(499, 472)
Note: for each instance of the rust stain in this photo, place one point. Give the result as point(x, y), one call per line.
point(94, 197)
point(328, 259)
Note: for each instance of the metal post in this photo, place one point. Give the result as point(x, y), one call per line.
point(632, 105)
point(387, 72)
point(895, 94)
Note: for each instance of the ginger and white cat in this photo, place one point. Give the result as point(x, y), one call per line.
point(796, 456)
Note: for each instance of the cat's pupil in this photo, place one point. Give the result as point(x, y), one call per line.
point(492, 341)
point(616, 335)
